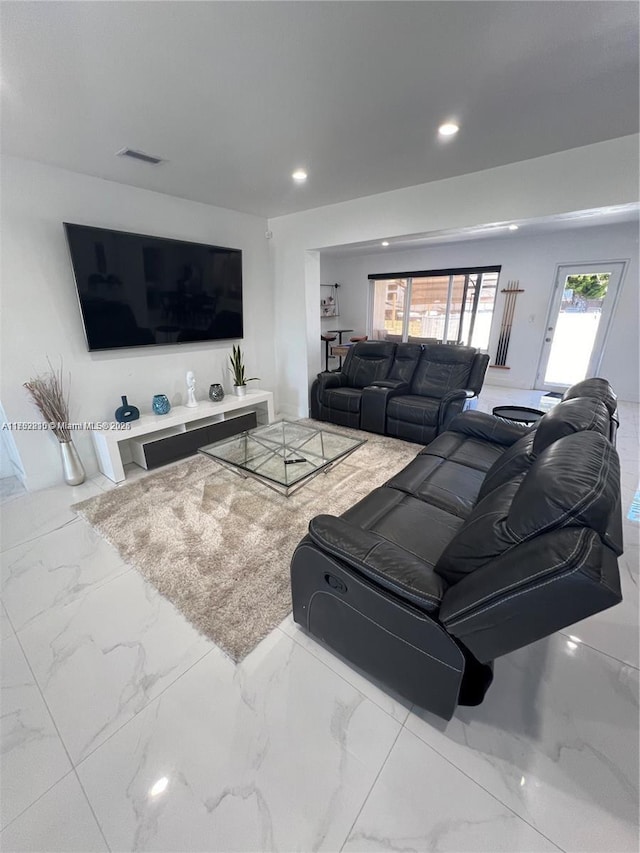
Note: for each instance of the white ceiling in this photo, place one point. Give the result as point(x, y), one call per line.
point(236, 95)
point(493, 230)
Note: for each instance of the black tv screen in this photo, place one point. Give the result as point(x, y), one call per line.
point(138, 291)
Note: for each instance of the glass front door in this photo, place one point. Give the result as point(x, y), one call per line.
point(581, 308)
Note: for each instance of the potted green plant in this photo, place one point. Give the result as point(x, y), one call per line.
point(238, 372)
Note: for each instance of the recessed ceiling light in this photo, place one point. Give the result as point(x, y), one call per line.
point(513, 227)
point(448, 129)
point(299, 176)
point(385, 242)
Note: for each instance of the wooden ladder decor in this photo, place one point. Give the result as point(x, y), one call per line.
point(511, 292)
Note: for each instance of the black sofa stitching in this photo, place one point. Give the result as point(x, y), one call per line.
point(524, 591)
point(378, 625)
point(548, 569)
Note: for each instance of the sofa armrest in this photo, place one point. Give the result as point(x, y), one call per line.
point(452, 404)
point(322, 383)
point(387, 564)
point(373, 405)
point(331, 380)
point(477, 424)
point(532, 590)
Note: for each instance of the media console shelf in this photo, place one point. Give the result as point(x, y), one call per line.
point(158, 439)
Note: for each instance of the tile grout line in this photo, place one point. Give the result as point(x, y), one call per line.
point(346, 680)
point(63, 744)
point(37, 800)
point(40, 535)
point(373, 784)
point(141, 709)
point(74, 766)
point(601, 652)
point(486, 790)
point(89, 803)
point(93, 587)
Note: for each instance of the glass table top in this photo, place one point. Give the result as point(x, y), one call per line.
point(283, 454)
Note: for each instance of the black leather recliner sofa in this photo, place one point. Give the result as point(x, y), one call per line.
point(406, 390)
point(494, 536)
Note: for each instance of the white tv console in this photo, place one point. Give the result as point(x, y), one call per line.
point(115, 448)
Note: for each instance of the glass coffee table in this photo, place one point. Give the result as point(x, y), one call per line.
point(283, 455)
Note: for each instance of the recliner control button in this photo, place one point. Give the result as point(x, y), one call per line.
point(335, 583)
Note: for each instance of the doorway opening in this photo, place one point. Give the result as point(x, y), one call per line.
point(579, 316)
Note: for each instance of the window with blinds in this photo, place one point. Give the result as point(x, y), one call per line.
point(453, 306)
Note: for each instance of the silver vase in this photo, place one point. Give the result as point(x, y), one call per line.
point(72, 468)
point(240, 390)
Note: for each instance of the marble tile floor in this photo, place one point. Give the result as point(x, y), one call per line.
point(10, 487)
point(122, 729)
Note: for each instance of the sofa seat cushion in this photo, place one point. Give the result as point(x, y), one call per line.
point(343, 399)
point(445, 484)
point(418, 528)
point(471, 452)
point(414, 410)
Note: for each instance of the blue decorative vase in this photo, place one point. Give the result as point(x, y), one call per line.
point(216, 393)
point(126, 413)
point(161, 404)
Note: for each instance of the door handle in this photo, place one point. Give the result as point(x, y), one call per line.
point(548, 340)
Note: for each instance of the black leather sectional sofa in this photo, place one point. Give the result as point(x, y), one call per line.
point(494, 536)
point(406, 390)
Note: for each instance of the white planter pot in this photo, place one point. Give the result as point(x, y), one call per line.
point(240, 390)
point(72, 468)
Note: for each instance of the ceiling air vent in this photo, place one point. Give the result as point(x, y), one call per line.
point(139, 155)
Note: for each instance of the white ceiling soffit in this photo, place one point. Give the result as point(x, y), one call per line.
point(526, 228)
point(235, 96)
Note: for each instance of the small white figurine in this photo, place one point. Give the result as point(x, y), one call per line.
point(191, 390)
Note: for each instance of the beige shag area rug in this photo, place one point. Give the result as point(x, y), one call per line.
point(219, 546)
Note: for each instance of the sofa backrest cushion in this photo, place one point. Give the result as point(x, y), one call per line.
point(597, 388)
point(405, 359)
point(564, 419)
point(575, 482)
point(572, 415)
point(514, 462)
point(367, 362)
point(478, 371)
point(442, 368)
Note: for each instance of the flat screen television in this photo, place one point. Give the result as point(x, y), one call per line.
point(135, 290)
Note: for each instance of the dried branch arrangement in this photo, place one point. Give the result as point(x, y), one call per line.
point(47, 393)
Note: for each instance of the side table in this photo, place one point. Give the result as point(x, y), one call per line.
point(518, 414)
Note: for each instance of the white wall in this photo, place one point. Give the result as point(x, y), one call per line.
point(580, 179)
point(531, 260)
point(41, 318)
point(349, 300)
point(10, 463)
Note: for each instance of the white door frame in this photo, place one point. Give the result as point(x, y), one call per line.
point(608, 308)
